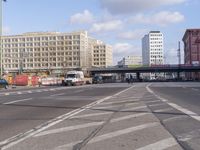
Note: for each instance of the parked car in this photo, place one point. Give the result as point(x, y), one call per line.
point(97, 79)
point(3, 83)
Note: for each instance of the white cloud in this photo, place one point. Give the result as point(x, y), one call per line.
point(121, 50)
point(162, 18)
point(130, 6)
point(132, 35)
point(125, 49)
point(106, 26)
point(82, 18)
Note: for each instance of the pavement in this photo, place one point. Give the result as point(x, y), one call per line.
point(118, 116)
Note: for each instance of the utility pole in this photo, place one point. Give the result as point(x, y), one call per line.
point(179, 58)
point(179, 53)
point(1, 30)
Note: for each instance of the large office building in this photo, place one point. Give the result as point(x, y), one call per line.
point(53, 51)
point(191, 41)
point(152, 50)
point(130, 61)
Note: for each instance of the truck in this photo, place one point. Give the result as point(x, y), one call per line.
point(73, 78)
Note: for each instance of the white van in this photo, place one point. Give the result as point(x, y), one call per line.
point(74, 78)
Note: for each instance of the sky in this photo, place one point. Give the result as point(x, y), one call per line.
point(120, 23)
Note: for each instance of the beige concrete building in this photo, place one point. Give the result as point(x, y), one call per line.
point(131, 60)
point(53, 51)
point(101, 54)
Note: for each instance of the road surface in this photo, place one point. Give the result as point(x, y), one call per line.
point(117, 116)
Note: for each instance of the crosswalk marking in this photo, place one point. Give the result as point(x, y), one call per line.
point(70, 128)
point(134, 108)
point(111, 135)
point(92, 115)
point(160, 145)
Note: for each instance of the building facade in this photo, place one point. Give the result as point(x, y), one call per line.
point(191, 41)
point(130, 60)
point(152, 50)
point(31, 52)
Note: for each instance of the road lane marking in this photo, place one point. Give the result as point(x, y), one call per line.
point(128, 117)
point(134, 108)
point(186, 111)
point(30, 92)
point(105, 107)
point(175, 118)
point(183, 110)
point(119, 102)
point(189, 136)
point(70, 128)
point(19, 92)
point(195, 89)
point(81, 126)
point(16, 101)
point(91, 115)
point(10, 142)
point(57, 94)
point(160, 145)
point(111, 135)
point(163, 110)
point(153, 105)
point(7, 94)
point(154, 101)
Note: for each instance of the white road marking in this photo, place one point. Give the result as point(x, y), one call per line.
point(175, 118)
point(195, 89)
point(23, 136)
point(160, 104)
point(92, 115)
point(51, 89)
point(111, 135)
point(118, 102)
point(154, 101)
point(189, 136)
point(19, 92)
point(30, 92)
point(134, 108)
point(160, 145)
point(70, 128)
point(105, 107)
point(7, 94)
point(127, 117)
point(184, 110)
point(57, 94)
point(21, 100)
point(163, 110)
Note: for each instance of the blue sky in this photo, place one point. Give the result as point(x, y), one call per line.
point(121, 23)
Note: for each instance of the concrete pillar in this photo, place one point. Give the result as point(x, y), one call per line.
point(138, 76)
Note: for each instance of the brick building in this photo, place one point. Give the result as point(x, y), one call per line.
point(191, 41)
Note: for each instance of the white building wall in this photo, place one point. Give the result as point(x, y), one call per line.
point(153, 50)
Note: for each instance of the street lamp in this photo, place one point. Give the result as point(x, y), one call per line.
point(1, 49)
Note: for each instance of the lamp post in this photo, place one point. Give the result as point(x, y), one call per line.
point(1, 29)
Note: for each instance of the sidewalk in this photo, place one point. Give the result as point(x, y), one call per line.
point(119, 122)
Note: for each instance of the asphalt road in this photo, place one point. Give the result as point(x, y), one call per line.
point(24, 109)
point(138, 116)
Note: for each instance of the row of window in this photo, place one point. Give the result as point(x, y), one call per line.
point(97, 63)
point(41, 49)
point(41, 44)
point(41, 38)
point(41, 65)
